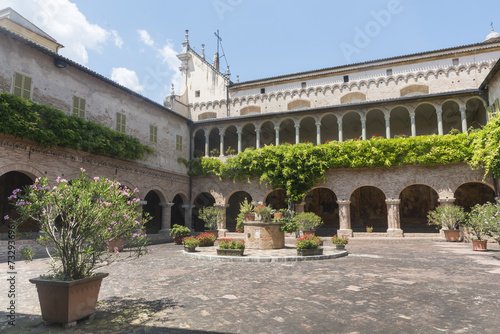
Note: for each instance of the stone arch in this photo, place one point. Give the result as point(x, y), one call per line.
point(400, 121)
point(250, 110)
point(471, 193)
point(248, 137)
point(368, 208)
point(199, 143)
point(298, 104)
point(416, 201)
point(476, 113)
point(202, 200)
point(426, 119)
point(214, 140)
point(451, 116)
point(323, 202)
point(351, 125)
point(232, 211)
point(375, 123)
point(230, 137)
point(329, 128)
point(276, 199)
point(154, 209)
point(10, 181)
point(177, 212)
point(267, 134)
point(353, 97)
point(414, 90)
point(287, 131)
point(307, 130)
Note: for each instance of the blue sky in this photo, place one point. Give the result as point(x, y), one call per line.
point(135, 42)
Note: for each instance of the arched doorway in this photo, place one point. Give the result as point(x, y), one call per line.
point(368, 208)
point(234, 208)
point(416, 201)
point(154, 209)
point(277, 199)
point(470, 194)
point(323, 202)
point(178, 212)
point(8, 183)
point(201, 201)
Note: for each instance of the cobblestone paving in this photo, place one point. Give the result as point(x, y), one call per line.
point(383, 286)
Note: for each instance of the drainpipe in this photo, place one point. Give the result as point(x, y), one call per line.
point(190, 177)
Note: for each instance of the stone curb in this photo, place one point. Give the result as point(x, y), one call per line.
point(265, 259)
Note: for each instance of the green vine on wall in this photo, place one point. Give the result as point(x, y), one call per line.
point(297, 168)
point(51, 127)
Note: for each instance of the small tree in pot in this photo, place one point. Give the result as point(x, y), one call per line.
point(212, 216)
point(77, 219)
point(449, 218)
point(308, 221)
point(178, 232)
point(483, 221)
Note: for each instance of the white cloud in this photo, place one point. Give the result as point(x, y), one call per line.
point(145, 38)
point(127, 78)
point(62, 20)
point(118, 39)
point(169, 57)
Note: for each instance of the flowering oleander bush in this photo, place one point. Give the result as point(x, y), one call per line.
point(190, 241)
point(336, 240)
point(206, 239)
point(309, 241)
point(449, 217)
point(484, 220)
point(264, 212)
point(78, 218)
point(231, 244)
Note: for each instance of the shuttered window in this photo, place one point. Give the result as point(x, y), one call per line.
point(121, 122)
point(22, 86)
point(79, 107)
point(178, 143)
point(153, 134)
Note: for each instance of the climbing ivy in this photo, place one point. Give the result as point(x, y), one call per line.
point(51, 127)
point(297, 168)
point(486, 148)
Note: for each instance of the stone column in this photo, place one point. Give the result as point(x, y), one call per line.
point(166, 217)
point(187, 216)
point(297, 134)
point(363, 127)
point(222, 228)
point(239, 132)
point(341, 135)
point(318, 133)
point(257, 138)
point(207, 135)
point(299, 208)
point(387, 126)
point(277, 134)
point(221, 144)
point(464, 119)
point(345, 229)
point(439, 114)
point(393, 221)
point(413, 126)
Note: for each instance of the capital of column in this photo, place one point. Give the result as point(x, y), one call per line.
point(167, 204)
point(387, 117)
point(439, 112)
point(257, 130)
point(318, 123)
point(221, 205)
point(339, 122)
point(343, 202)
point(276, 127)
point(393, 201)
point(239, 132)
point(186, 206)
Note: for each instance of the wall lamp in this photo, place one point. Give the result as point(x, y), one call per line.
point(59, 63)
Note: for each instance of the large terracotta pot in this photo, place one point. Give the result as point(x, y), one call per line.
point(249, 217)
point(65, 302)
point(479, 245)
point(278, 215)
point(177, 240)
point(452, 235)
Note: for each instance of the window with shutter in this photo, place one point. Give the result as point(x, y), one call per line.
point(22, 86)
point(79, 107)
point(178, 143)
point(153, 134)
point(121, 122)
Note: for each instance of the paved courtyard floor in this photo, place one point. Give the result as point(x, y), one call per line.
point(383, 286)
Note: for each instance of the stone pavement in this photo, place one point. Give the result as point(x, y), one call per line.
point(383, 286)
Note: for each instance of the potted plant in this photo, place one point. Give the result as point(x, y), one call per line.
point(369, 229)
point(76, 219)
point(308, 222)
point(340, 242)
point(309, 245)
point(288, 223)
point(449, 218)
point(231, 247)
point(190, 243)
point(206, 239)
point(214, 153)
point(248, 210)
point(178, 232)
point(230, 151)
point(264, 212)
point(212, 216)
point(483, 222)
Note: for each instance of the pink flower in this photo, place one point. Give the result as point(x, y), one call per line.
point(6, 217)
point(82, 170)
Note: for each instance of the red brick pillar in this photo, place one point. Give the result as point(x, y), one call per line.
point(222, 228)
point(393, 221)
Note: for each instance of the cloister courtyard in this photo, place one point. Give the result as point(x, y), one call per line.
point(385, 285)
